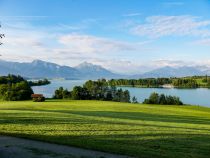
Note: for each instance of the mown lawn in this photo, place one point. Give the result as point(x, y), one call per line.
point(131, 129)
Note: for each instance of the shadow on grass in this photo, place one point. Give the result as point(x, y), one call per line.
point(145, 145)
point(117, 118)
point(140, 145)
point(139, 116)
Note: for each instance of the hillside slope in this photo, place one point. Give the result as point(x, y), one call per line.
point(130, 129)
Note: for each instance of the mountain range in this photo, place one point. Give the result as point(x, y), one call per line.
point(85, 70)
point(172, 72)
point(42, 69)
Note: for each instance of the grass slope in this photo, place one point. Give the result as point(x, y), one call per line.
point(131, 129)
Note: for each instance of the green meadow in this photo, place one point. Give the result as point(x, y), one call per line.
point(123, 128)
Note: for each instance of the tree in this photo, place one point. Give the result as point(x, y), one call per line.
point(126, 96)
point(96, 90)
point(62, 93)
point(11, 79)
point(155, 98)
point(66, 94)
point(208, 82)
point(80, 93)
point(108, 96)
point(16, 91)
point(205, 79)
point(134, 100)
point(58, 93)
point(162, 99)
point(118, 95)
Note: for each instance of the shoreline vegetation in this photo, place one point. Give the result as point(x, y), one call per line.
point(181, 83)
point(13, 88)
point(94, 90)
point(16, 88)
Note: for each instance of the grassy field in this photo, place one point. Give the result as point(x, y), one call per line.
point(201, 83)
point(131, 129)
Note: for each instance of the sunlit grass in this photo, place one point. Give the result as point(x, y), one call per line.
point(130, 129)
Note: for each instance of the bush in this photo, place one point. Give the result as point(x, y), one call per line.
point(39, 99)
point(155, 98)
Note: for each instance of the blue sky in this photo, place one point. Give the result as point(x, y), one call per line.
point(125, 36)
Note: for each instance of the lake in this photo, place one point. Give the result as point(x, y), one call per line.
point(200, 96)
point(48, 90)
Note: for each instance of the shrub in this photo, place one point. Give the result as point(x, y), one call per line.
point(39, 99)
point(155, 98)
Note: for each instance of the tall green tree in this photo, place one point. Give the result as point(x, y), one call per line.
point(134, 100)
point(80, 93)
point(95, 90)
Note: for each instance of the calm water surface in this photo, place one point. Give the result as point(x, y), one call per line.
point(200, 96)
point(48, 90)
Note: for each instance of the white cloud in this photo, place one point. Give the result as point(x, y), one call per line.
point(92, 44)
point(169, 4)
point(137, 67)
point(70, 27)
point(164, 62)
point(131, 14)
point(159, 26)
point(24, 43)
point(180, 63)
point(202, 42)
point(121, 66)
point(20, 17)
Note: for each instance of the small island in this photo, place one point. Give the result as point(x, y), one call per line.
point(39, 82)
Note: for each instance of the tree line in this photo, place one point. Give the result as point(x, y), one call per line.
point(147, 82)
point(184, 82)
point(39, 82)
point(11, 79)
point(94, 90)
point(206, 80)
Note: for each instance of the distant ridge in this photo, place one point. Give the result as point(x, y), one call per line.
point(94, 71)
point(85, 70)
point(42, 69)
point(171, 72)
